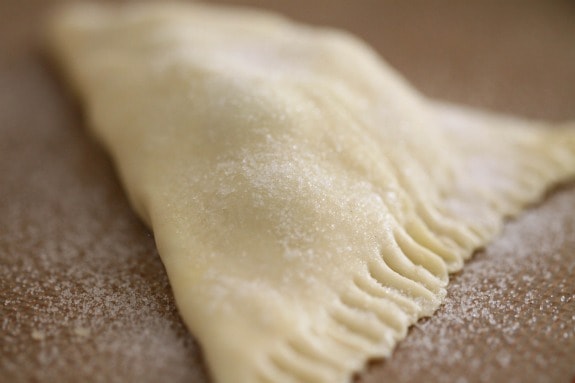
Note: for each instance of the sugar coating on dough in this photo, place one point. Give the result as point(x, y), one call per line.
point(307, 203)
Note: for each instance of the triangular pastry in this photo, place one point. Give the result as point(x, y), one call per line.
point(307, 203)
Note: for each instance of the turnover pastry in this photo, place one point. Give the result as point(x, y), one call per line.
point(307, 203)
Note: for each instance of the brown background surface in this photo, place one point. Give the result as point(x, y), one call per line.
point(84, 296)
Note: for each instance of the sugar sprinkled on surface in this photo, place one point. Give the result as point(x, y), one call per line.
point(512, 307)
point(80, 298)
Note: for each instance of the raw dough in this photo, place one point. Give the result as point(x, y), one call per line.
point(306, 202)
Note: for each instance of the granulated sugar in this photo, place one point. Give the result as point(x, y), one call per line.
point(68, 314)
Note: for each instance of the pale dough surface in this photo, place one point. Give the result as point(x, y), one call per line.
point(306, 202)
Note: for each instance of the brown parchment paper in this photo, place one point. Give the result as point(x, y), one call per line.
point(84, 296)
